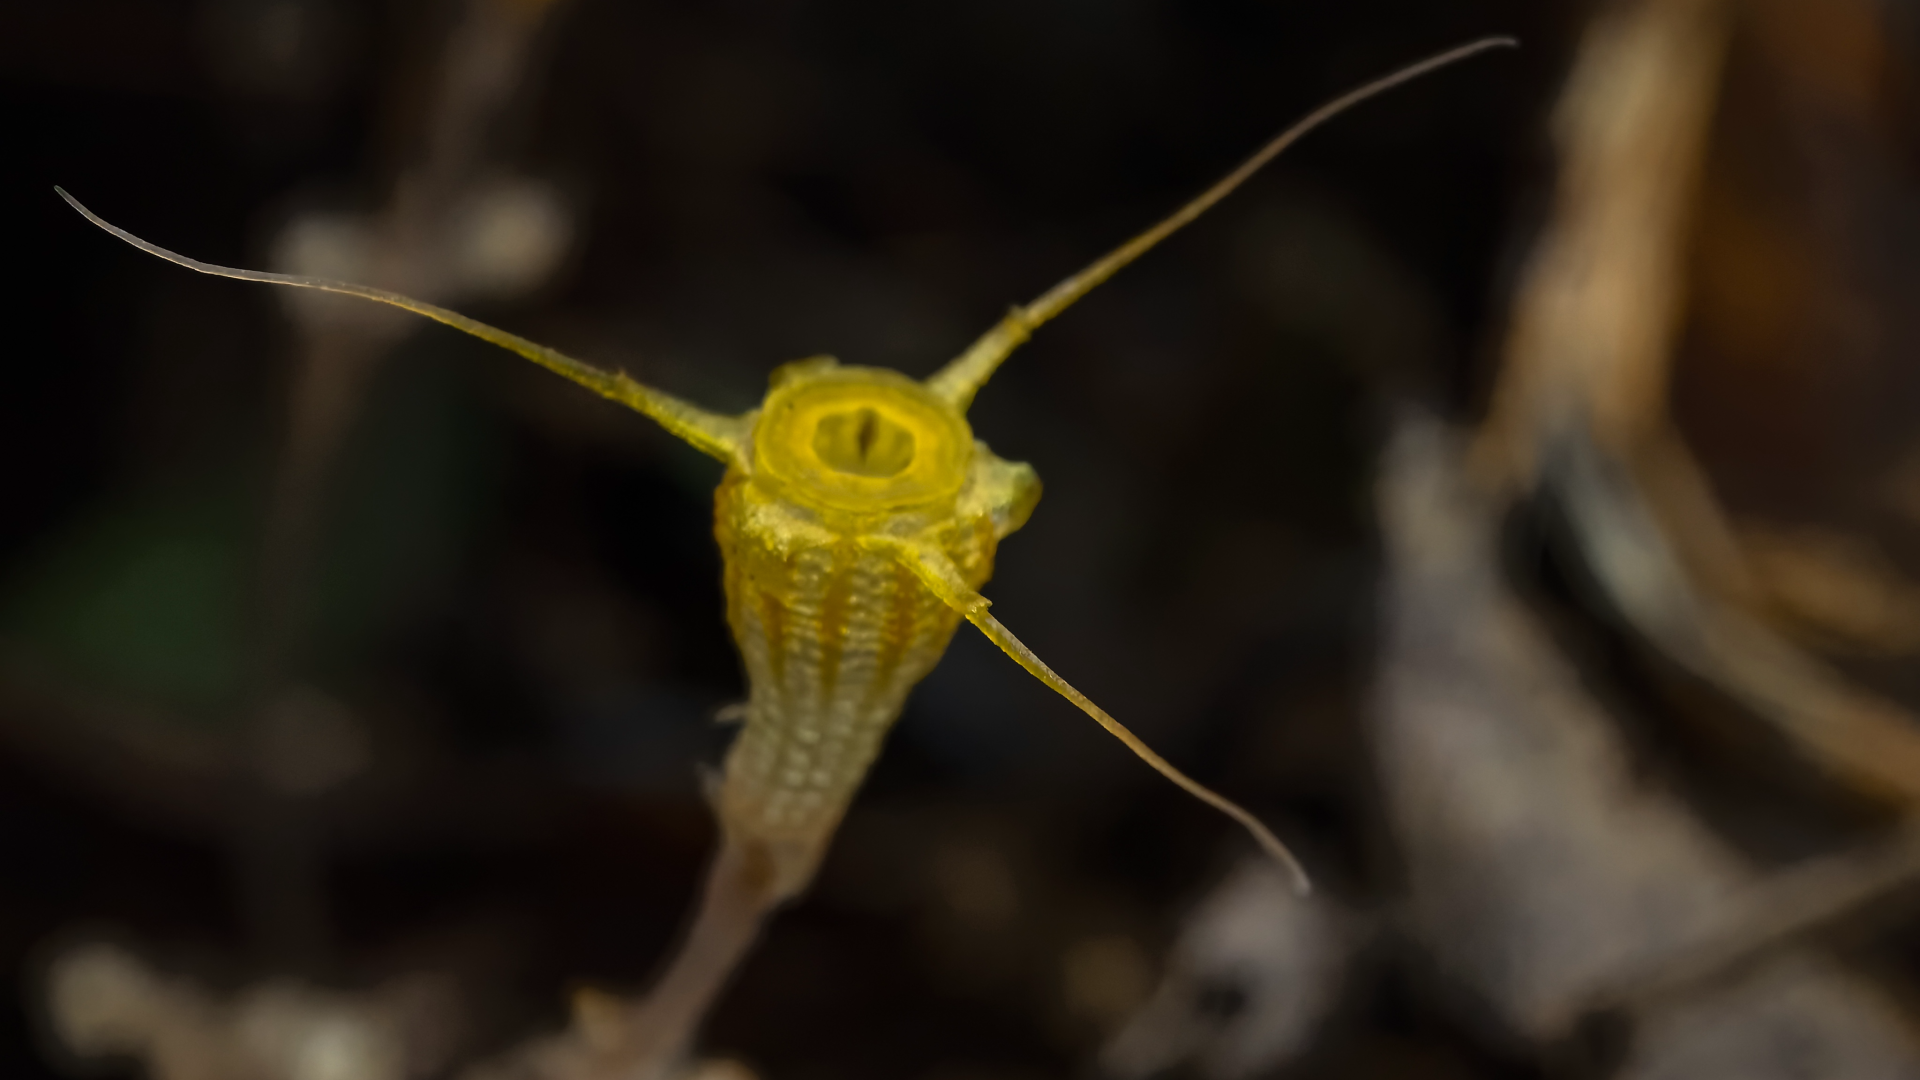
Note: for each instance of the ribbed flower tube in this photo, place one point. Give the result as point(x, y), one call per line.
point(833, 635)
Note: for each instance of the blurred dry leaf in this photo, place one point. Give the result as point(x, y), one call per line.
point(1836, 588)
point(1541, 869)
point(1583, 395)
point(1254, 972)
point(1601, 294)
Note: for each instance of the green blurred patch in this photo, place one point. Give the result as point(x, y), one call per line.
point(147, 594)
point(143, 595)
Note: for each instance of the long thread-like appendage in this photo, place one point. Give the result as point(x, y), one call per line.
point(944, 580)
point(962, 378)
point(721, 436)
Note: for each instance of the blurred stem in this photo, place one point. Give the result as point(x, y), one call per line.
point(330, 375)
point(278, 851)
point(279, 857)
point(485, 59)
point(654, 1036)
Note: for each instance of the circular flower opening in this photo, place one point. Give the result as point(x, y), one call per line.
point(857, 439)
point(862, 442)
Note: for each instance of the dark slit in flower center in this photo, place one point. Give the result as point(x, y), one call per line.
point(863, 442)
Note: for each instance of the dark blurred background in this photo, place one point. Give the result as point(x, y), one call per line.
point(415, 671)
